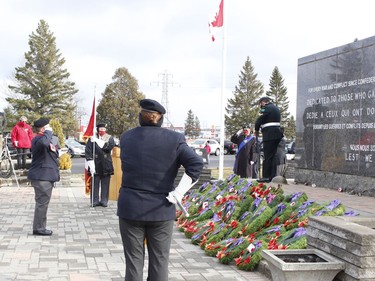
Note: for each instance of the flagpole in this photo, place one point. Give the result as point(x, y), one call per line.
point(222, 111)
point(93, 151)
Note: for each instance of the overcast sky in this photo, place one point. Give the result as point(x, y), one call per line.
point(154, 37)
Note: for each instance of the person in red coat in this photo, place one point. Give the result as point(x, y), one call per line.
point(21, 136)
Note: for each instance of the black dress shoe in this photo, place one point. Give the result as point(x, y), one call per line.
point(103, 205)
point(45, 232)
point(264, 180)
point(96, 204)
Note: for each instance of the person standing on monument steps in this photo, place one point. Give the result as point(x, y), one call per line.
point(151, 157)
point(246, 155)
point(269, 123)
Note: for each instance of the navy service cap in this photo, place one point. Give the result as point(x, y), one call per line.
point(152, 106)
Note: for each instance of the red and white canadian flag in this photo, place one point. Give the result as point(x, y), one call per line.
point(216, 21)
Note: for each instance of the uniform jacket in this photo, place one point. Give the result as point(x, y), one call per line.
point(150, 158)
point(245, 154)
point(103, 156)
point(270, 113)
point(22, 133)
point(45, 162)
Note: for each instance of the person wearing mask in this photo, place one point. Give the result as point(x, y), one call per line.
point(151, 157)
point(99, 159)
point(206, 153)
point(246, 155)
point(43, 173)
point(269, 123)
point(21, 137)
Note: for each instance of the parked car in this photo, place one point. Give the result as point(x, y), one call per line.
point(75, 148)
point(199, 144)
point(290, 148)
point(229, 147)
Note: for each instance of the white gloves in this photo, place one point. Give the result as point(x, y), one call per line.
point(251, 162)
point(48, 128)
point(16, 143)
point(239, 132)
point(91, 166)
point(183, 186)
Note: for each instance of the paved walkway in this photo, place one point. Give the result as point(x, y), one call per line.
point(86, 244)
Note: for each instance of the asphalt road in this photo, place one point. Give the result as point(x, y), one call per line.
point(78, 166)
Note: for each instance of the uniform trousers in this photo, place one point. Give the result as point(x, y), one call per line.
point(103, 181)
point(158, 235)
point(43, 192)
point(269, 163)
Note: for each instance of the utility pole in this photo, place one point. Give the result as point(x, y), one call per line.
point(165, 82)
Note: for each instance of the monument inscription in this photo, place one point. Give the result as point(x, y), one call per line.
point(336, 110)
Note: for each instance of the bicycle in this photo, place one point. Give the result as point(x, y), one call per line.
point(6, 165)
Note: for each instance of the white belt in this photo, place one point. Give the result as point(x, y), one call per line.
point(271, 124)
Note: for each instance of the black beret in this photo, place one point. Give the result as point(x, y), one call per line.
point(101, 125)
point(266, 99)
point(151, 105)
point(41, 122)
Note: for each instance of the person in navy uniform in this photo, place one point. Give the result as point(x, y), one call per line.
point(269, 123)
point(100, 165)
point(246, 155)
point(150, 158)
point(43, 173)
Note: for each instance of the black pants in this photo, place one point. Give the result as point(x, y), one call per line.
point(43, 192)
point(158, 237)
point(21, 155)
point(269, 163)
point(102, 183)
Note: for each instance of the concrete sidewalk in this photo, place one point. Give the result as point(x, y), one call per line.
point(86, 243)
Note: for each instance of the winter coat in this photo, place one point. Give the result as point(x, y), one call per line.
point(23, 134)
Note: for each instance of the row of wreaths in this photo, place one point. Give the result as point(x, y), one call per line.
point(235, 219)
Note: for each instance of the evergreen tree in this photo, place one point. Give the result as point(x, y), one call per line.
point(290, 128)
point(119, 107)
point(278, 93)
point(192, 125)
point(243, 108)
point(197, 126)
point(57, 131)
point(42, 87)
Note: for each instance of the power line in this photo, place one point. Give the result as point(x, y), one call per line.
point(165, 82)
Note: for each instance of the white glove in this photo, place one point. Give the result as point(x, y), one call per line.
point(100, 143)
point(93, 139)
point(251, 162)
point(48, 128)
point(91, 166)
point(239, 132)
point(16, 143)
point(183, 186)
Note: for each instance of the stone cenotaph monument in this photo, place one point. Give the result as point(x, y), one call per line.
point(335, 133)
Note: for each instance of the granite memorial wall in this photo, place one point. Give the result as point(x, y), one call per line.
point(336, 110)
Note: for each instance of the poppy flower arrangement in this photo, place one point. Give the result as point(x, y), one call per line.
point(235, 219)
